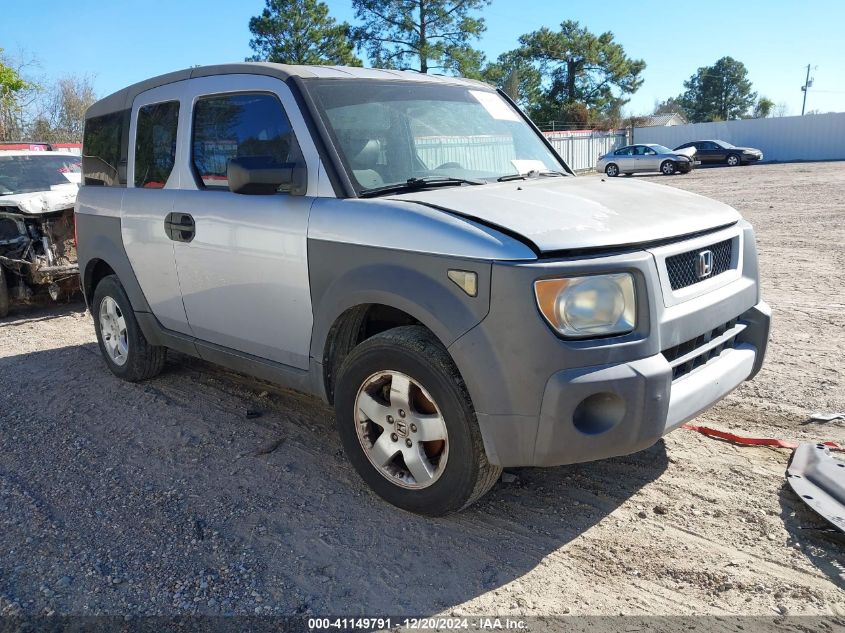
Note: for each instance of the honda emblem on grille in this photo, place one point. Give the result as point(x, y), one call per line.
point(705, 264)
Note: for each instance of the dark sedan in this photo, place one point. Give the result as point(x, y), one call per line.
point(722, 152)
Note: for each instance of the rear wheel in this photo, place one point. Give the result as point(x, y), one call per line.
point(407, 424)
point(667, 167)
point(612, 170)
point(122, 344)
point(732, 160)
point(4, 294)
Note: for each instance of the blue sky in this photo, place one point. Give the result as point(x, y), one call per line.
point(123, 41)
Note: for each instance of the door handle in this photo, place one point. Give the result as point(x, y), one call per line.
point(180, 227)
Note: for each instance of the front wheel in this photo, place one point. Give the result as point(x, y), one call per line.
point(732, 160)
point(407, 424)
point(612, 170)
point(122, 343)
point(667, 168)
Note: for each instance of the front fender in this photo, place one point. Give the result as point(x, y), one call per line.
point(343, 276)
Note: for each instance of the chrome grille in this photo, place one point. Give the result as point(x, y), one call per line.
point(682, 268)
point(686, 356)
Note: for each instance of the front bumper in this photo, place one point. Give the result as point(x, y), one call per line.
point(541, 400)
point(618, 409)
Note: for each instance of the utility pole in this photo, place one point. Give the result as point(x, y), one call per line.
point(807, 83)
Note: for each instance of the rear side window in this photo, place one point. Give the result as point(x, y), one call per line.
point(104, 149)
point(625, 151)
point(235, 126)
point(155, 144)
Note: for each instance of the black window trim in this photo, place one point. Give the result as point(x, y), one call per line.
point(201, 186)
point(178, 102)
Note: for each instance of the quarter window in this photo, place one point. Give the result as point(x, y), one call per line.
point(237, 126)
point(104, 149)
point(155, 144)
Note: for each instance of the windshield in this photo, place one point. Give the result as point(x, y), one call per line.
point(725, 144)
point(391, 132)
point(38, 172)
point(660, 149)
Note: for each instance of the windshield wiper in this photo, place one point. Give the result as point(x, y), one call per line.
point(530, 174)
point(412, 184)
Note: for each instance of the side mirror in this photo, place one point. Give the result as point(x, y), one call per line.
point(262, 175)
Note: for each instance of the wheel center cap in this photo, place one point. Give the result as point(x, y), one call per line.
point(401, 428)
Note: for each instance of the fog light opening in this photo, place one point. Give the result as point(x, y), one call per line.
point(598, 413)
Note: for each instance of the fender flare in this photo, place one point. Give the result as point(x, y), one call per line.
point(433, 303)
point(100, 240)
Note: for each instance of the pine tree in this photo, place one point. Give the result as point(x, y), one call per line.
point(421, 35)
point(300, 32)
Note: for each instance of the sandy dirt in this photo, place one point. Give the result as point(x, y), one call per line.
point(166, 498)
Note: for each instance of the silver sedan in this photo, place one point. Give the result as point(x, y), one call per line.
point(646, 157)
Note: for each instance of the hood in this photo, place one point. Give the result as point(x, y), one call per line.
point(582, 212)
point(62, 197)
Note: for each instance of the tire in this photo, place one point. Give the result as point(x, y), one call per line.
point(612, 170)
point(732, 160)
point(4, 294)
point(124, 348)
point(374, 376)
point(667, 167)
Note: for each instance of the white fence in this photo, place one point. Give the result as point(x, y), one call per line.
point(482, 153)
point(581, 149)
point(810, 137)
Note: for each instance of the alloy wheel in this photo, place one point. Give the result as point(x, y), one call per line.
point(401, 430)
point(113, 331)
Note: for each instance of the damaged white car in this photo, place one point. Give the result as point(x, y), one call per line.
point(37, 248)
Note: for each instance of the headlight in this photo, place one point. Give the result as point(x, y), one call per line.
point(593, 305)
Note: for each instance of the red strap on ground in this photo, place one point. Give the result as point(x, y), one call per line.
point(750, 441)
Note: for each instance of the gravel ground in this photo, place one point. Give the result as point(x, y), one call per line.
point(167, 498)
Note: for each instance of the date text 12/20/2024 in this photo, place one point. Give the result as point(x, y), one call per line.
point(370, 624)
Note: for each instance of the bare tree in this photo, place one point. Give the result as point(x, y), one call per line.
point(61, 117)
point(781, 109)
